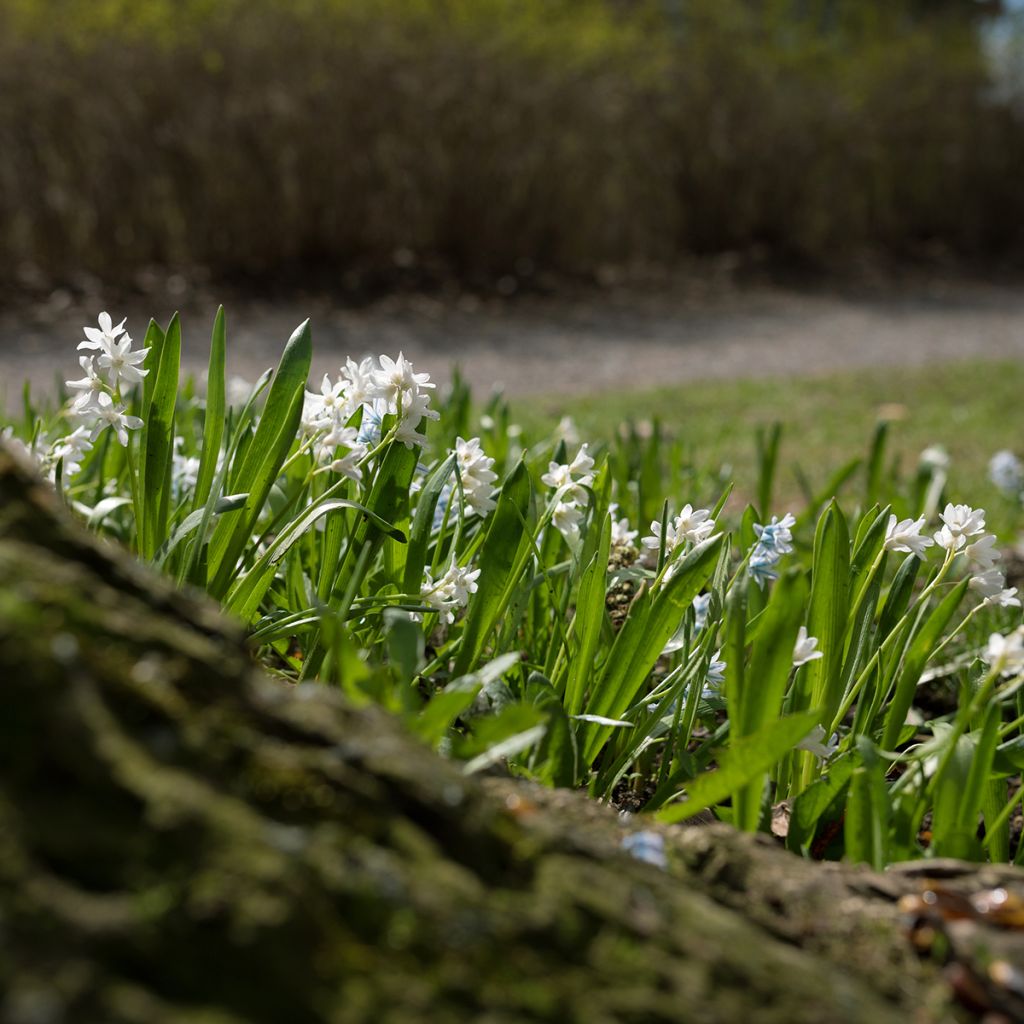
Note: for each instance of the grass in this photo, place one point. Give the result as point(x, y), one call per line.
point(972, 409)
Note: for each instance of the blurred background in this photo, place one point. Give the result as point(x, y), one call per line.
point(336, 153)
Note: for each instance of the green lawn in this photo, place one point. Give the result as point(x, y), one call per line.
point(972, 409)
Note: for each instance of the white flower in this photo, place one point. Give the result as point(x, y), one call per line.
point(110, 415)
point(396, 384)
point(476, 474)
point(653, 541)
point(566, 519)
point(407, 433)
point(905, 536)
point(569, 479)
point(1005, 654)
point(581, 466)
point(89, 386)
point(450, 592)
point(991, 586)
point(960, 522)
point(1006, 472)
point(104, 339)
point(701, 605)
point(566, 431)
point(347, 464)
point(693, 525)
point(813, 743)
point(557, 476)
point(184, 469)
point(72, 449)
point(358, 379)
point(394, 380)
point(934, 457)
point(716, 670)
point(121, 363)
point(34, 454)
point(237, 391)
point(982, 554)
point(621, 533)
point(805, 649)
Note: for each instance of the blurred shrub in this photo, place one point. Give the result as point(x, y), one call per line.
point(259, 137)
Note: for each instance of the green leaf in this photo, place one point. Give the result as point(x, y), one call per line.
point(589, 621)
point(245, 596)
point(263, 458)
point(228, 503)
point(921, 649)
point(653, 619)
point(444, 707)
point(868, 811)
point(827, 612)
point(743, 761)
point(213, 420)
point(501, 736)
point(156, 446)
point(423, 523)
point(502, 558)
point(814, 802)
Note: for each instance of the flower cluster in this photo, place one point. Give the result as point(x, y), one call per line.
point(112, 366)
point(568, 481)
point(376, 389)
point(690, 527)
point(962, 532)
point(450, 592)
point(774, 540)
point(475, 474)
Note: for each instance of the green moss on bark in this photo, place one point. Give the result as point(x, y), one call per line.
point(184, 839)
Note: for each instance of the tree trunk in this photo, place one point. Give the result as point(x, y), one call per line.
point(185, 839)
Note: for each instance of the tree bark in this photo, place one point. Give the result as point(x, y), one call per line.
point(185, 839)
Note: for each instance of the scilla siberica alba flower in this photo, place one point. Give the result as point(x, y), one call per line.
point(451, 591)
point(72, 449)
point(476, 475)
point(1006, 472)
point(569, 479)
point(108, 414)
point(905, 535)
point(621, 533)
point(991, 586)
point(805, 649)
point(690, 526)
point(1005, 654)
point(116, 356)
point(88, 387)
point(959, 523)
point(566, 518)
point(103, 339)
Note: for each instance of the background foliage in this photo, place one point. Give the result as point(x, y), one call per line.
point(486, 137)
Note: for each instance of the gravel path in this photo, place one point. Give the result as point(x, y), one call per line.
point(591, 344)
